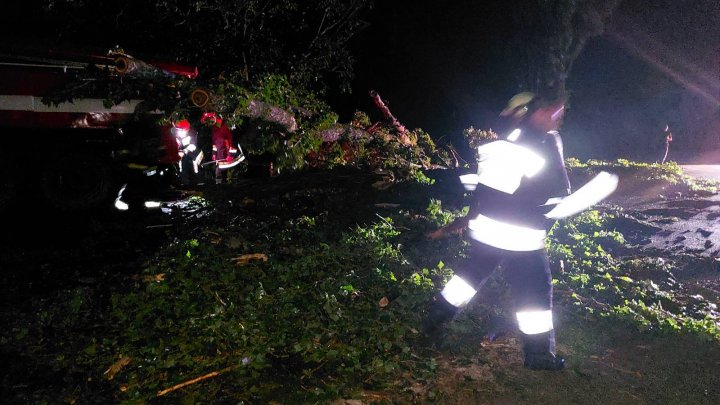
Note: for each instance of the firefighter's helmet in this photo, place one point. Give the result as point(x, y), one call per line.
point(182, 124)
point(210, 118)
point(519, 105)
point(181, 128)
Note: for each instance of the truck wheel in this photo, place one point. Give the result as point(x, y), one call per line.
point(76, 181)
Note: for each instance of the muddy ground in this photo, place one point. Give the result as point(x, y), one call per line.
point(606, 364)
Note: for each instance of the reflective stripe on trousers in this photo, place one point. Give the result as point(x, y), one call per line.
point(458, 292)
point(534, 322)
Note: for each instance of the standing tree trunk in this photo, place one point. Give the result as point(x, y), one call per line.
point(551, 35)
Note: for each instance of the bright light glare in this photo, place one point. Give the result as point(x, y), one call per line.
point(514, 135)
point(534, 322)
point(553, 201)
point(458, 292)
point(596, 190)
point(503, 164)
point(121, 205)
point(470, 181)
point(506, 236)
point(152, 204)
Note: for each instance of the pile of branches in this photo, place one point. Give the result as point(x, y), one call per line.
point(291, 127)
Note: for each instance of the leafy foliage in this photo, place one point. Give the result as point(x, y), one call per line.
point(646, 174)
point(476, 137)
point(309, 324)
point(286, 124)
point(306, 41)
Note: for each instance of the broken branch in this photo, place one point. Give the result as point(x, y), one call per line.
point(195, 380)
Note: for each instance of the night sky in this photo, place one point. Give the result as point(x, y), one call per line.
point(658, 63)
point(437, 65)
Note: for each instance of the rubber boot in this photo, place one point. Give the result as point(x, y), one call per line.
point(539, 350)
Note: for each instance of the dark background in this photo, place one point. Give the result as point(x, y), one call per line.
point(439, 67)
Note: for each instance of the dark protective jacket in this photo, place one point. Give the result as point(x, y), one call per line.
point(526, 205)
point(522, 204)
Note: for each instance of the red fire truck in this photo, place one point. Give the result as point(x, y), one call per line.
point(64, 154)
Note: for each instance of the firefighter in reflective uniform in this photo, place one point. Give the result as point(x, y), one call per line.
point(190, 154)
point(507, 226)
point(222, 144)
point(152, 168)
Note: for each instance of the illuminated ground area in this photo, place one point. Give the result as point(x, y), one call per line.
point(711, 172)
point(90, 258)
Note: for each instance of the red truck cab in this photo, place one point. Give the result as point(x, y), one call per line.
point(63, 153)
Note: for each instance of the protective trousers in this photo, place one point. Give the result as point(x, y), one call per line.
point(530, 280)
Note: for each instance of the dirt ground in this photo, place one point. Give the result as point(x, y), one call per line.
point(606, 363)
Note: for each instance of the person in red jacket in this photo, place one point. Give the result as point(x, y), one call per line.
point(222, 141)
point(169, 146)
point(152, 167)
point(190, 154)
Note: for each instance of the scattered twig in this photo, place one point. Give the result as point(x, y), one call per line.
point(247, 258)
point(456, 156)
point(385, 220)
point(196, 380)
point(220, 299)
point(149, 278)
point(386, 205)
point(117, 367)
point(158, 226)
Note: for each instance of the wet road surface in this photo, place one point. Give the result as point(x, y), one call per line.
point(707, 172)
